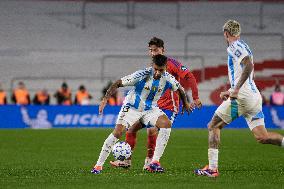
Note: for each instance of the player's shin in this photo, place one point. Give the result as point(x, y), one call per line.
point(161, 143)
point(106, 149)
point(130, 138)
point(151, 144)
point(213, 158)
point(214, 141)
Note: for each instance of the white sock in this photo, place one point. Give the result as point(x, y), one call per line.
point(213, 158)
point(282, 144)
point(161, 143)
point(106, 149)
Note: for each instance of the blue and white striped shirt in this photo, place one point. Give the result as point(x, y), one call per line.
point(147, 91)
point(236, 52)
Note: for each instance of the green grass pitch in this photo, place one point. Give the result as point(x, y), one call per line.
point(63, 158)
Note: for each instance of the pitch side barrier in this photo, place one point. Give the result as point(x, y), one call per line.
point(45, 117)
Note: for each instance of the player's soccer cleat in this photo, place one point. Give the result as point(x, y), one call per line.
point(207, 172)
point(155, 167)
point(147, 163)
point(119, 163)
point(97, 170)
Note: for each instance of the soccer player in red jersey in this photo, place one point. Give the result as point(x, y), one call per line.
point(169, 103)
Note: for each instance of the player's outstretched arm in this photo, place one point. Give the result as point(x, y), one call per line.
point(189, 77)
point(247, 69)
point(108, 94)
point(186, 105)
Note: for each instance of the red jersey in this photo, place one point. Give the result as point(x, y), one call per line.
point(170, 99)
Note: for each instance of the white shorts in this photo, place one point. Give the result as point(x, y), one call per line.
point(250, 108)
point(128, 116)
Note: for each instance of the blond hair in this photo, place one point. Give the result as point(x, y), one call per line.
point(233, 28)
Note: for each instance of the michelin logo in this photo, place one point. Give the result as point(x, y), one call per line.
point(84, 119)
point(40, 122)
point(276, 120)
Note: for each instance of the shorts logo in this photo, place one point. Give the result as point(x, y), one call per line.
point(183, 68)
point(154, 88)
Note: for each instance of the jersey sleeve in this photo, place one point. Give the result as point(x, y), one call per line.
point(187, 78)
point(174, 84)
point(132, 79)
point(238, 52)
point(177, 68)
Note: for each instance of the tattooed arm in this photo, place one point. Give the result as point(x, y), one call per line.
point(108, 94)
point(247, 69)
point(185, 104)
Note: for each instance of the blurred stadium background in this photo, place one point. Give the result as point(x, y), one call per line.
point(46, 42)
point(91, 42)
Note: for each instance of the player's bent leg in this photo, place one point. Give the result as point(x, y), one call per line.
point(152, 133)
point(131, 140)
point(164, 134)
point(264, 137)
point(107, 147)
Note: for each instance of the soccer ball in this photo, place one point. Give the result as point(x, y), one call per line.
point(121, 151)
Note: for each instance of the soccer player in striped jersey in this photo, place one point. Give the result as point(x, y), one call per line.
point(243, 98)
point(169, 103)
point(141, 104)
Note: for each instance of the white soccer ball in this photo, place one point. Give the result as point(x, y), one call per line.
point(121, 151)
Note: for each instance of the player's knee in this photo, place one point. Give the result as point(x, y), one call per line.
point(210, 126)
point(117, 133)
point(131, 130)
point(152, 131)
point(263, 139)
point(164, 123)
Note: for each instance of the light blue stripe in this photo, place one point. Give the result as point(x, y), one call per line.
point(251, 85)
point(141, 74)
point(234, 110)
point(152, 94)
point(259, 115)
point(246, 47)
point(167, 86)
point(231, 68)
point(138, 90)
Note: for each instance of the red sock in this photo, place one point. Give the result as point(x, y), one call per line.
point(131, 139)
point(151, 145)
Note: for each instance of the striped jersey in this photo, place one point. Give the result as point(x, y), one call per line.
point(236, 52)
point(170, 99)
point(147, 90)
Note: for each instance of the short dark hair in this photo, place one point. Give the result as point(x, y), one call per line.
point(156, 41)
point(160, 60)
point(64, 85)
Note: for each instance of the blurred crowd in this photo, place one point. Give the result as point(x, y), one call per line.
point(276, 98)
point(63, 96)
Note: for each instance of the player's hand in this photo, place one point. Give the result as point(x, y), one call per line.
point(234, 94)
point(197, 103)
point(102, 105)
point(224, 95)
point(188, 107)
